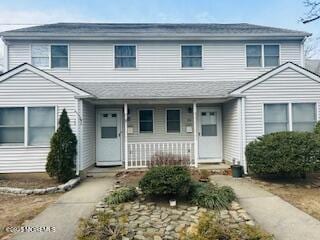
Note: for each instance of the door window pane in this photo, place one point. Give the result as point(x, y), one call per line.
point(254, 53)
point(11, 125)
point(146, 120)
point(173, 120)
point(41, 125)
point(40, 56)
point(303, 116)
point(271, 55)
point(59, 56)
point(109, 132)
point(125, 56)
point(209, 124)
point(191, 56)
point(275, 118)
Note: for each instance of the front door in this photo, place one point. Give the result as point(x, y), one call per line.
point(108, 149)
point(209, 135)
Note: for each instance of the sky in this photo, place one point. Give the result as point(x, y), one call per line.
point(278, 13)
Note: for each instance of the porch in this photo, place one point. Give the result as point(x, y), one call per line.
point(134, 133)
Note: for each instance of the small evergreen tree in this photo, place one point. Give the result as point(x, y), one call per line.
point(63, 151)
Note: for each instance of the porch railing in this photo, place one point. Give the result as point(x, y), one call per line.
point(141, 153)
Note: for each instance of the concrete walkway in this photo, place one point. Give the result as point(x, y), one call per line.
point(272, 213)
point(69, 208)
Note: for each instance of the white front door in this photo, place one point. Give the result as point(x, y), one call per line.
point(108, 149)
point(209, 135)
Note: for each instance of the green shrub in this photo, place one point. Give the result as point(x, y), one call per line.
point(212, 196)
point(283, 154)
point(125, 194)
point(317, 128)
point(210, 228)
point(63, 150)
point(166, 181)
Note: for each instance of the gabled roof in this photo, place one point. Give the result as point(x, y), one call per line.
point(27, 66)
point(273, 72)
point(151, 31)
point(159, 90)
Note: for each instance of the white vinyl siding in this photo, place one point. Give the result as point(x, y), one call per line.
point(158, 61)
point(287, 86)
point(88, 127)
point(231, 121)
point(29, 89)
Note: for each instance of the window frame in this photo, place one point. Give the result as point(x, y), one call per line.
point(153, 125)
point(181, 57)
point(114, 56)
point(262, 55)
point(166, 120)
point(24, 130)
point(26, 125)
point(289, 106)
point(50, 58)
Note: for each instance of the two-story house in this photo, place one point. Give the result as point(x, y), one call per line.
point(201, 91)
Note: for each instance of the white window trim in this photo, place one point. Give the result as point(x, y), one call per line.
point(262, 55)
point(26, 125)
point(191, 68)
point(289, 105)
point(166, 122)
point(49, 49)
point(153, 125)
point(114, 57)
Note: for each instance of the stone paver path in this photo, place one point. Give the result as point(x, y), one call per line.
point(149, 221)
point(272, 213)
point(66, 212)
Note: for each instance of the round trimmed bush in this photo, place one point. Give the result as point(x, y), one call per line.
point(166, 181)
point(284, 154)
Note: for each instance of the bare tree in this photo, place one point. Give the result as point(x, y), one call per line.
point(313, 13)
point(311, 48)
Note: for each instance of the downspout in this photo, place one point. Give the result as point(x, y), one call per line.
point(6, 55)
point(79, 111)
point(243, 134)
point(302, 52)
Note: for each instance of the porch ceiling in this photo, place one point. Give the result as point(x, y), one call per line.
point(160, 90)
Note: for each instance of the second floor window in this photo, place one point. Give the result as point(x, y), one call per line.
point(191, 56)
point(260, 55)
point(49, 56)
point(125, 56)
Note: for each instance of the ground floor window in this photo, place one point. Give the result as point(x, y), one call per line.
point(173, 120)
point(289, 117)
point(36, 123)
point(146, 121)
point(12, 125)
point(41, 125)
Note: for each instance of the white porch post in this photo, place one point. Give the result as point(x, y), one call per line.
point(195, 134)
point(126, 135)
point(243, 134)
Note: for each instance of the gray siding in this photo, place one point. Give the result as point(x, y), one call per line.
point(88, 127)
point(29, 89)
point(286, 86)
point(159, 125)
point(93, 61)
point(231, 130)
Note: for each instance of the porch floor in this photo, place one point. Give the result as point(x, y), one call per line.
point(113, 170)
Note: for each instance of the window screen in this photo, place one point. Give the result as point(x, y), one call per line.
point(11, 125)
point(303, 116)
point(125, 56)
point(254, 55)
point(275, 118)
point(173, 121)
point(191, 56)
point(146, 121)
point(59, 56)
point(271, 55)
